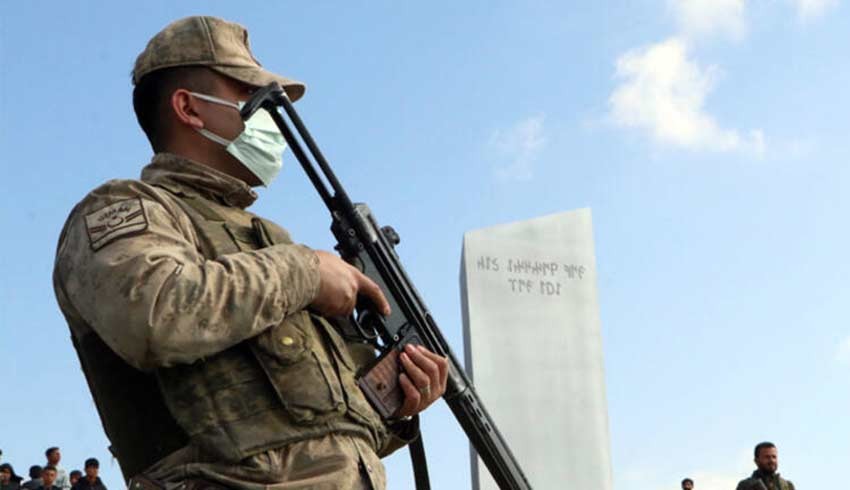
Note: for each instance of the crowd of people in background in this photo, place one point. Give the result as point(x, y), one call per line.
point(51, 476)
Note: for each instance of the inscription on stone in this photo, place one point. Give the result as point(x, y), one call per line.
point(531, 276)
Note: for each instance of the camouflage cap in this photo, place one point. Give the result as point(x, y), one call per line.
point(212, 42)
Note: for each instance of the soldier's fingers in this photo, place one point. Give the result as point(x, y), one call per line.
point(430, 354)
point(370, 289)
point(424, 363)
point(441, 362)
point(411, 397)
point(419, 377)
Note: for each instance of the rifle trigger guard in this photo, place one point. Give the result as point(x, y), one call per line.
point(369, 333)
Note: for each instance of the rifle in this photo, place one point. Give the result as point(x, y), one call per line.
point(371, 248)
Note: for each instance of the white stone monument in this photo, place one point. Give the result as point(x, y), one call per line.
point(534, 350)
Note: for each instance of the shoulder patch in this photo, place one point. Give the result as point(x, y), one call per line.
point(114, 221)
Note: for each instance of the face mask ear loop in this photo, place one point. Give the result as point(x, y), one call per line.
point(210, 135)
point(216, 100)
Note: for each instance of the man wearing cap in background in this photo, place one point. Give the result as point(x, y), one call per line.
point(201, 327)
point(90, 481)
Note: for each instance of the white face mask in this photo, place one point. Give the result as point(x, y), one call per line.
point(259, 146)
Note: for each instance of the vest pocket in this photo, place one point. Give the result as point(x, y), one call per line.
point(244, 237)
point(340, 349)
point(299, 370)
point(283, 344)
point(358, 407)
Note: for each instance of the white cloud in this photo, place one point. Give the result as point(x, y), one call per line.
point(700, 18)
point(520, 145)
point(663, 92)
point(811, 9)
point(843, 352)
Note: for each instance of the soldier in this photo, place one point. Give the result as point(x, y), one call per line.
point(201, 327)
point(766, 477)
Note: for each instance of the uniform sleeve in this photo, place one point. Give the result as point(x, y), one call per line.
point(401, 433)
point(128, 265)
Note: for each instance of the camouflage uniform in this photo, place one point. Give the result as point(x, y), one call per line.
point(184, 285)
point(760, 481)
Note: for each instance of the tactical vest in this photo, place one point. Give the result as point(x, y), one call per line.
point(294, 381)
point(140, 429)
point(755, 483)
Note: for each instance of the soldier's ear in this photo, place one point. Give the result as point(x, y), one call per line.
point(184, 107)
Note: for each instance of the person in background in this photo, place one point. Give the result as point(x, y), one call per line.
point(8, 479)
point(74, 476)
point(48, 478)
point(35, 478)
point(53, 457)
point(687, 484)
point(765, 477)
point(91, 481)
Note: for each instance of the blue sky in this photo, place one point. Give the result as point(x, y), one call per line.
point(706, 136)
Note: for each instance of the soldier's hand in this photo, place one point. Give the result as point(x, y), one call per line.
point(340, 284)
point(424, 379)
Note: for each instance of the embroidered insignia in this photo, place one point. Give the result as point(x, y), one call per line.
point(114, 221)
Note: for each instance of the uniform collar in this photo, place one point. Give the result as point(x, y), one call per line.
point(183, 176)
point(762, 475)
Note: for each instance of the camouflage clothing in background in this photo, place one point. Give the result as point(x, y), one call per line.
point(762, 481)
